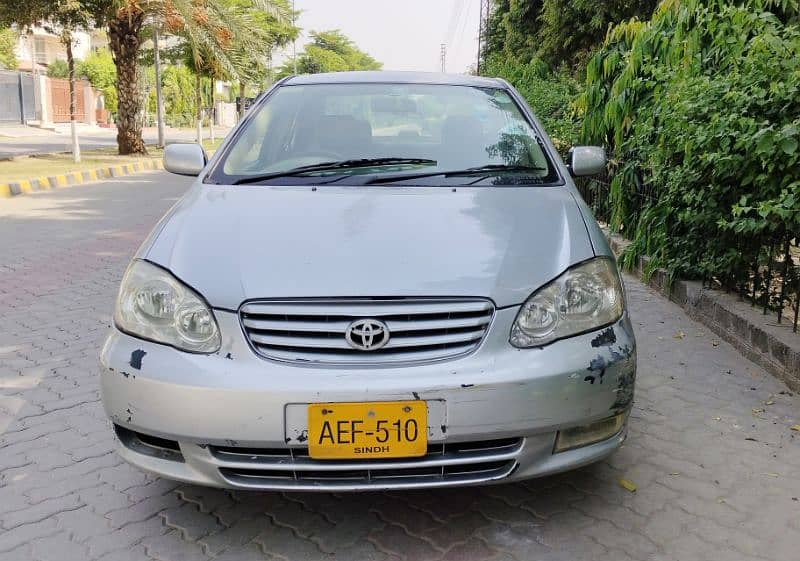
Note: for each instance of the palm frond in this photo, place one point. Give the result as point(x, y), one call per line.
point(224, 37)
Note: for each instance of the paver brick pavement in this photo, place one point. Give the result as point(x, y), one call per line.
point(716, 467)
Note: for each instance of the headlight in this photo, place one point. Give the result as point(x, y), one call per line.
point(584, 298)
point(154, 305)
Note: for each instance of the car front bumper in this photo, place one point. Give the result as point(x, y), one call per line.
point(236, 420)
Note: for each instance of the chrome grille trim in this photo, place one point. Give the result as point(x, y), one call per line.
point(309, 331)
point(444, 464)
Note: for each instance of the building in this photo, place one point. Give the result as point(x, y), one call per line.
point(37, 49)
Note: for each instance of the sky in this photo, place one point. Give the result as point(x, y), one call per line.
point(403, 35)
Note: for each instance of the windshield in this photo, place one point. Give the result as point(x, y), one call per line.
point(343, 132)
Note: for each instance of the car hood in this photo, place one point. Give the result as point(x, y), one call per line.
point(237, 243)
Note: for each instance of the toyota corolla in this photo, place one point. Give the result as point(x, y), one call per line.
point(380, 280)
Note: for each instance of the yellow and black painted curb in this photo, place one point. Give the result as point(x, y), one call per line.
point(20, 187)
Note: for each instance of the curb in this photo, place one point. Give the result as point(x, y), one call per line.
point(773, 347)
point(23, 186)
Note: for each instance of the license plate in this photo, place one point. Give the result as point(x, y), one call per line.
point(386, 429)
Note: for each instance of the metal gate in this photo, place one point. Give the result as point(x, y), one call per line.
point(18, 102)
point(59, 91)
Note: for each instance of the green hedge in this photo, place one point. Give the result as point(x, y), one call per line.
point(700, 107)
point(550, 95)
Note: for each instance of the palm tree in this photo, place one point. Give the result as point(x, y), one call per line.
point(211, 27)
point(240, 61)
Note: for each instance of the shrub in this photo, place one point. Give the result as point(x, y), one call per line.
point(101, 72)
point(700, 108)
point(178, 87)
point(550, 95)
point(58, 69)
point(8, 42)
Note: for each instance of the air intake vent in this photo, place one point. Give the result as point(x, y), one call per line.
point(451, 463)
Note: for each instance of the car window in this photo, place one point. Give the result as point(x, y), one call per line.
point(458, 127)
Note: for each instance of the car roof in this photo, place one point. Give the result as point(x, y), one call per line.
point(394, 77)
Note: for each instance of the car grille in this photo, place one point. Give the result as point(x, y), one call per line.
point(444, 464)
point(313, 331)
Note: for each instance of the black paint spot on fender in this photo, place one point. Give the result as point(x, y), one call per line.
point(303, 436)
point(124, 373)
point(228, 356)
point(625, 385)
point(599, 365)
point(444, 429)
point(415, 394)
point(287, 440)
point(136, 359)
point(467, 385)
point(606, 337)
point(623, 353)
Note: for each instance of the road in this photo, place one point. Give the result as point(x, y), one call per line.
point(716, 467)
point(90, 139)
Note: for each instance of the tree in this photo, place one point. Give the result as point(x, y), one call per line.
point(330, 51)
point(58, 69)
point(571, 29)
point(557, 31)
point(208, 24)
point(66, 40)
point(203, 64)
point(8, 40)
point(244, 65)
point(279, 31)
point(99, 69)
point(178, 106)
point(62, 17)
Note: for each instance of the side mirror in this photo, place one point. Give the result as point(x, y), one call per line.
point(184, 159)
point(587, 160)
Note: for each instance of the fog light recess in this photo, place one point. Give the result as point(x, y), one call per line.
point(585, 435)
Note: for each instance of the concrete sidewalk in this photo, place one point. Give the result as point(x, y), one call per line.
point(10, 132)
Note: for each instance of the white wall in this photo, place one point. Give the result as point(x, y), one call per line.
point(53, 49)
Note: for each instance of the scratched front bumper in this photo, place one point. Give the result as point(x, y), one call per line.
point(234, 398)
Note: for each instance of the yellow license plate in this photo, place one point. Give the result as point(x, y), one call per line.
point(385, 429)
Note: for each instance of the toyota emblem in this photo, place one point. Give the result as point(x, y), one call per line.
point(367, 334)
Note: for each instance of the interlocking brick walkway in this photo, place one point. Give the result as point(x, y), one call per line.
point(717, 469)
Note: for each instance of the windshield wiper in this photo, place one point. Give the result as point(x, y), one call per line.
point(329, 166)
point(496, 167)
point(487, 170)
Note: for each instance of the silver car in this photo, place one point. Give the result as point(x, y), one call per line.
point(379, 281)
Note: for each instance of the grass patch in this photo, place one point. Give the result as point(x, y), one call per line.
point(29, 167)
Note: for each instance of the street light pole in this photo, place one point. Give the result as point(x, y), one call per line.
point(159, 99)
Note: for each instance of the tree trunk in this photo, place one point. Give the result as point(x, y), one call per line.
point(198, 99)
point(159, 95)
point(213, 110)
point(241, 99)
point(73, 129)
point(125, 41)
